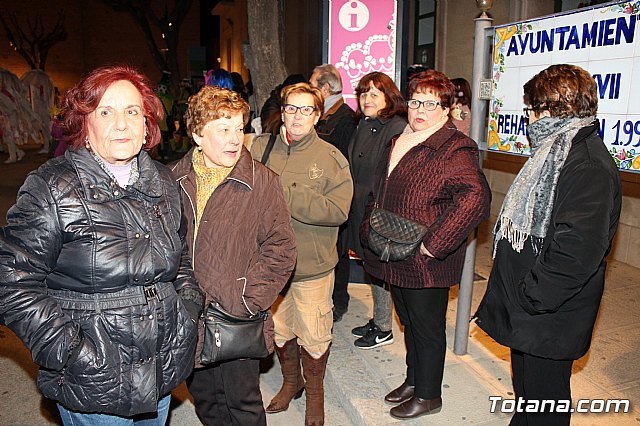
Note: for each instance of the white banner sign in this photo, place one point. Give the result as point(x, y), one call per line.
point(604, 41)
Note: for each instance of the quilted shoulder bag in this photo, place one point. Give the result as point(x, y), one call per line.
point(391, 236)
point(228, 337)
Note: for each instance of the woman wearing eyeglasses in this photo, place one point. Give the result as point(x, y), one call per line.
point(318, 189)
point(551, 240)
point(429, 174)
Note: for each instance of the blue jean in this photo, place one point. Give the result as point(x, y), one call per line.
point(74, 418)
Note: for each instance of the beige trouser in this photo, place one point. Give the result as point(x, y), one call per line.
point(306, 313)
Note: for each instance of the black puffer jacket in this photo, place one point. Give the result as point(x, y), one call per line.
point(74, 256)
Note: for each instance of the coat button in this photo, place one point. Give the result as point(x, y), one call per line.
point(361, 155)
point(146, 236)
point(116, 193)
point(137, 235)
point(136, 280)
point(92, 186)
point(151, 316)
point(95, 196)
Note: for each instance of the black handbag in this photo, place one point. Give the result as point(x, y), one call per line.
point(391, 236)
point(228, 337)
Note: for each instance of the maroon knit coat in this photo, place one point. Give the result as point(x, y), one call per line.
point(438, 183)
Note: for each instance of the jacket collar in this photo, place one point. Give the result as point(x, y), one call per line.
point(585, 132)
point(333, 109)
point(98, 187)
point(376, 121)
point(243, 172)
point(439, 138)
point(303, 143)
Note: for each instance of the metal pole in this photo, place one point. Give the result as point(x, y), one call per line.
point(481, 56)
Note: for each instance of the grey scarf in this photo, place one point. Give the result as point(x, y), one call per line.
point(526, 211)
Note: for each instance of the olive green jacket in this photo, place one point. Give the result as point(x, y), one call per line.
point(318, 189)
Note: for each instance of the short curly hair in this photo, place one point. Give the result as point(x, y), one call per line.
point(212, 103)
point(435, 82)
point(564, 90)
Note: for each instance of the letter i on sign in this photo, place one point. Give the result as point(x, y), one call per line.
point(353, 15)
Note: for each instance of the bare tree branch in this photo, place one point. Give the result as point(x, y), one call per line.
point(166, 58)
point(31, 40)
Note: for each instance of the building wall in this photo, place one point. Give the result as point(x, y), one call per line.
point(302, 41)
point(97, 36)
point(457, 28)
point(233, 33)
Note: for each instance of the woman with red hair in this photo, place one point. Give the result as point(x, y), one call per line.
point(429, 174)
point(94, 271)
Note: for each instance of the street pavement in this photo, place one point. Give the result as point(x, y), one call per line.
point(357, 380)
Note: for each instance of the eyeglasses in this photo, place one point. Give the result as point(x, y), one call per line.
point(527, 112)
point(292, 109)
point(428, 105)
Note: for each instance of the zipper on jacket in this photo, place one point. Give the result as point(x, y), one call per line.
point(193, 255)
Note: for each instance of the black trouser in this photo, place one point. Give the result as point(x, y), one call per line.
point(422, 313)
point(228, 393)
point(536, 378)
point(340, 295)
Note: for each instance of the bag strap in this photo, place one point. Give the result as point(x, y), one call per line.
point(268, 149)
point(383, 178)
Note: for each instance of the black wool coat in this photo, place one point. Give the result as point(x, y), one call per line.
point(337, 125)
point(546, 305)
point(365, 150)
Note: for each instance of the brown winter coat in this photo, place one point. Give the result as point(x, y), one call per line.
point(245, 248)
point(438, 183)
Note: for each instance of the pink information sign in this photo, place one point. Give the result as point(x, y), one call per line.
point(362, 39)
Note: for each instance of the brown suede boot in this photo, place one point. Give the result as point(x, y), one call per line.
point(292, 384)
point(313, 370)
